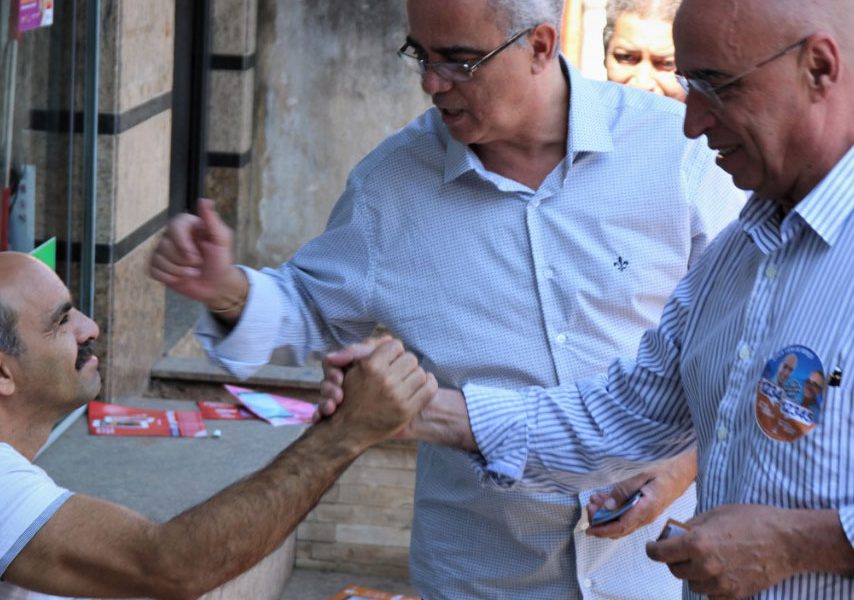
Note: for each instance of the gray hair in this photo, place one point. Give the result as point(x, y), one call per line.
point(10, 342)
point(664, 10)
point(518, 15)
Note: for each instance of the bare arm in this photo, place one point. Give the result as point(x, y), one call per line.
point(95, 548)
point(444, 420)
point(660, 485)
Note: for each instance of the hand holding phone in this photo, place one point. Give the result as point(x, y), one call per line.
point(603, 515)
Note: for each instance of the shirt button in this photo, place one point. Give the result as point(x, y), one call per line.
point(745, 353)
point(588, 583)
point(535, 203)
point(723, 434)
point(549, 273)
point(770, 271)
point(561, 338)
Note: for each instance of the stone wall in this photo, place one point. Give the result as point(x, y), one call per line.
point(363, 523)
point(329, 88)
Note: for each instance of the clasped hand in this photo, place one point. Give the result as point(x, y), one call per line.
point(382, 380)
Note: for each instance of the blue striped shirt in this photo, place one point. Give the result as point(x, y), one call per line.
point(492, 282)
point(766, 283)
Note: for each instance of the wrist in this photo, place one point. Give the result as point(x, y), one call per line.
point(345, 441)
point(231, 297)
point(445, 421)
point(815, 541)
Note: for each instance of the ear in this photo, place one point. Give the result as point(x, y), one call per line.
point(7, 381)
point(822, 62)
point(544, 43)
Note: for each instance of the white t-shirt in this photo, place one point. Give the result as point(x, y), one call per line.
point(28, 499)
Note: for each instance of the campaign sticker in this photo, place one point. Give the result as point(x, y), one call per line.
point(790, 394)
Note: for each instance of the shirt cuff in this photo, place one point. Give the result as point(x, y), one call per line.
point(846, 517)
point(499, 425)
point(247, 346)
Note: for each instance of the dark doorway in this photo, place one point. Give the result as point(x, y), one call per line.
point(189, 137)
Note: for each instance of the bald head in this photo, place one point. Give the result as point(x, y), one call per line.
point(771, 87)
point(774, 22)
point(16, 269)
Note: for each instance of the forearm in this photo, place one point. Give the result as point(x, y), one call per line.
point(260, 511)
point(96, 548)
point(682, 468)
point(445, 421)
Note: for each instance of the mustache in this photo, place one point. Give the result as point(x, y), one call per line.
point(85, 351)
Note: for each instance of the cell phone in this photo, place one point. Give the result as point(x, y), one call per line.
point(603, 515)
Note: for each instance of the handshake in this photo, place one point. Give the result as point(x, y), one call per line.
point(384, 387)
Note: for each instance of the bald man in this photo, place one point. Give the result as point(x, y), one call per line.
point(54, 542)
point(770, 83)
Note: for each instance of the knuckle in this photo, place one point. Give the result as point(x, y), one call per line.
point(420, 377)
point(370, 368)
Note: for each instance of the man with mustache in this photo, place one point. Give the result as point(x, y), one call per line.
point(55, 542)
point(521, 232)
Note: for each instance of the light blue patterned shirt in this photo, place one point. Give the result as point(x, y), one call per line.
point(492, 282)
point(767, 283)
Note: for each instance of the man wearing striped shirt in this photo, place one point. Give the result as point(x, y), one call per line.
point(770, 84)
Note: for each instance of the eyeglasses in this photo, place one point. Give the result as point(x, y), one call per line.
point(711, 92)
point(452, 71)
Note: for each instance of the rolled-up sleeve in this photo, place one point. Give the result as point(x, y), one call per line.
point(246, 347)
point(500, 429)
point(634, 414)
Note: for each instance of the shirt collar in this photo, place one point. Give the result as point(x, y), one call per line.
point(824, 210)
point(829, 204)
point(589, 123)
point(588, 127)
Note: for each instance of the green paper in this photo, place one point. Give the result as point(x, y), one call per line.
point(46, 253)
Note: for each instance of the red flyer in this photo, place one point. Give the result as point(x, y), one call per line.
point(354, 592)
point(117, 420)
point(225, 411)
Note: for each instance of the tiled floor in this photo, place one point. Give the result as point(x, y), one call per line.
point(306, 584)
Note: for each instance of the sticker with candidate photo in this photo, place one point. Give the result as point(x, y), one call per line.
point(790, 394)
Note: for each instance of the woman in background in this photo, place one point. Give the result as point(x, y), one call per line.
point(639, 45)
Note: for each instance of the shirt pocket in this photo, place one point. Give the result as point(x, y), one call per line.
point(825, 455)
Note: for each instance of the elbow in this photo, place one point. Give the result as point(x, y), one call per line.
point(167, 586)
point(173, 575)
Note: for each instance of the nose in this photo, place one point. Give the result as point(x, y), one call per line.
point(644, 78)
point(699, 116)
point(86, 328)
point(432, 83)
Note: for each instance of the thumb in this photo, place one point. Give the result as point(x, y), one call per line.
point(349, 354)
point(621, 492)
point(217, 231)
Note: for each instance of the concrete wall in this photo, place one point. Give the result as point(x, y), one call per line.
point(329, 87)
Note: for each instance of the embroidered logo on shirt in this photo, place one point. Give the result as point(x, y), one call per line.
point(621, 264)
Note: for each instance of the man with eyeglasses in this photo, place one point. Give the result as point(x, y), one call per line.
point(521, 232)
point(775, 491)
